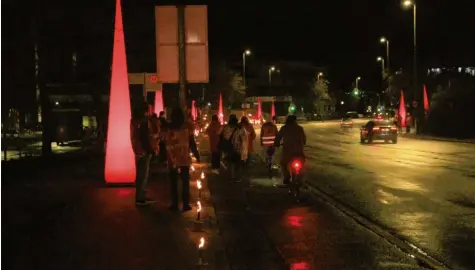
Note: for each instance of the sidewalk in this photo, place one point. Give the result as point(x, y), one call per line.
point(71, 220)
point(264, 228)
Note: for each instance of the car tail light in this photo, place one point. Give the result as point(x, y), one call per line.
point(375, 128)
point(393, 128)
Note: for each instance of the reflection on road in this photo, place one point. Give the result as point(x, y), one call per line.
point(423, 190)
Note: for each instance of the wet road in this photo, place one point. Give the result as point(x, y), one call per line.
point(421, 190)
point(262, 227)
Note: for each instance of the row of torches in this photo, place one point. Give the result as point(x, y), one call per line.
point(199, 185)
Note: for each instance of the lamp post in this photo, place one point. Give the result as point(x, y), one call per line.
point(386, 42)
point(419, 118)
point(244, 54)
point(380, 59)
point(356, 82)
point(408, 4)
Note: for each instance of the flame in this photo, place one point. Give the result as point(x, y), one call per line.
point(202, 242)
point(202, 175)
point(199, 206)
point(198, 184)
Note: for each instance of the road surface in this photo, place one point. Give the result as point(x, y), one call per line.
point(420, 190)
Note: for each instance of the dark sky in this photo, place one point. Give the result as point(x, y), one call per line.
point(343, 35)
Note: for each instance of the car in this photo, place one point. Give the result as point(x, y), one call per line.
point(382, 130)
point(346, 122)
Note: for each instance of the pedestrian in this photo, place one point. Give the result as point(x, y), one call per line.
point(408, 123)
point(251, 136)
point(233, 143)
point(178, 149)
point(163, 131)
point(144, 146)
point(191, 130)
point(268, 133)
point(213, 131)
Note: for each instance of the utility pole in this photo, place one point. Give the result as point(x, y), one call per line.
point(182, 58)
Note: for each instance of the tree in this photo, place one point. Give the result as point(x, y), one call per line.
point(237, 89)
point(227, 82)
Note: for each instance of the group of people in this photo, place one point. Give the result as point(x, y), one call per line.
point(172, 141)
point(236, 139)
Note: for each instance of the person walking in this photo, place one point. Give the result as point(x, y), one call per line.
point(144, 146)
point(178, 149)
point(233, 143)
point(213, 131)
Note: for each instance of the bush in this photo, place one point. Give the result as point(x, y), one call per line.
point(452, 112)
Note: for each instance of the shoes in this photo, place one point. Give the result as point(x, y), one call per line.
point(144, 202)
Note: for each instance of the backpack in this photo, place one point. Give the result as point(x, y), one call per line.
point(228, 146)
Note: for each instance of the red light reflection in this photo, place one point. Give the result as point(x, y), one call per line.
point(300, 266)
point(295, 221)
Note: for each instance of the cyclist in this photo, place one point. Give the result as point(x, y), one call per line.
point(268, 134)
point(293, 138)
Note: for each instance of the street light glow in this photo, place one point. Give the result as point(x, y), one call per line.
point(342, 102)
point(382, 40)
point(248, 52)
point(379, 59)
point(407, 3)
point(320, 74)
point(359, 78)
point(272, 68)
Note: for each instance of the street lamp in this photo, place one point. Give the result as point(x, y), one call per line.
point(380, 59)
point(386, 41)
point(246, 52)
point(408, 4)
point(319, 75)
point(357, 80)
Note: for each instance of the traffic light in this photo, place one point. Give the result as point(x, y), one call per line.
point(292, 108)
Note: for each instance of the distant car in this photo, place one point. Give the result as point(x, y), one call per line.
point(346, 122)
point(382, 130)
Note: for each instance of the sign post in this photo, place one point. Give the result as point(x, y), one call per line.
point(182, 46)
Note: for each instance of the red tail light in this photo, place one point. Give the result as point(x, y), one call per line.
point(375, 128)
point(393, 128)
point(296, 165)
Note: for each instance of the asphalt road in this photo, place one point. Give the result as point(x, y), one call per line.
point(421, 190)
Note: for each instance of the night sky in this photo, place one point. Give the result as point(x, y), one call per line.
point(342, 35)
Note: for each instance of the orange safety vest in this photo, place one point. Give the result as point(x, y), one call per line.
point(269, 131)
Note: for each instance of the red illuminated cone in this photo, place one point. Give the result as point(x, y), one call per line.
point(259, 110)
point(220, 109)
point(402, 110)
point(426, 99)
point(273, 109)
point(158, 102)
point(120, 158)
point(193, 110)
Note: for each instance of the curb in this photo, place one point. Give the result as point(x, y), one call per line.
point(422, 258)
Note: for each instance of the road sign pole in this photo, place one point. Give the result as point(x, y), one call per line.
point(182, 57)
